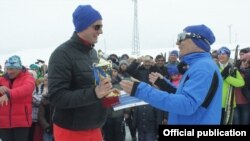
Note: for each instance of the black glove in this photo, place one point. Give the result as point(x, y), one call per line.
point(225, 73)
point(134, 88)
point(163, 85)
point(182, 67)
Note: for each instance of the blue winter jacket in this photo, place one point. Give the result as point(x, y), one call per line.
point(185, 106)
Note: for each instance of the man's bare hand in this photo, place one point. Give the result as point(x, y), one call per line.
point(104, 88)
point(4, 89)
point(4, 100)
point(154, 76)
point(127, 86)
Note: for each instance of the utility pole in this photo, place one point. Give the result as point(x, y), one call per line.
point(135, 37)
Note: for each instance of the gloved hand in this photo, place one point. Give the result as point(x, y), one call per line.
point(182, 67)
point(225, 73)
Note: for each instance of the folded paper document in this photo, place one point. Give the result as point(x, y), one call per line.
point(127, 101)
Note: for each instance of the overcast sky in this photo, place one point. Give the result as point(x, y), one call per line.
point(34, 28)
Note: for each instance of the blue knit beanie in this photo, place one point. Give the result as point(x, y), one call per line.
point(203, 31)
point(172, 69)
point(174, 52)
point(13, 62)
point(224, 50)
point(84, 16)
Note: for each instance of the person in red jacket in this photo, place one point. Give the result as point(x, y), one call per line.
point(16, 88)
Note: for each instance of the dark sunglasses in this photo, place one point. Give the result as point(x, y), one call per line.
point(186, 35)
point(97, 27)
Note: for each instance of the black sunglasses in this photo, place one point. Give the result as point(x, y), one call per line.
point(97, 27)
point(186, 35)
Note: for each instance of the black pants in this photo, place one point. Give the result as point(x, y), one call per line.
point(114, 129)
point(14, 134)
point(31, 131)
point(131, 126)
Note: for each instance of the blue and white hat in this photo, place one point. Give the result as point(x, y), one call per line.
point(13, 62)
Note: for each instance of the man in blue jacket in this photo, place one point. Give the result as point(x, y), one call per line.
point(197, 100)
